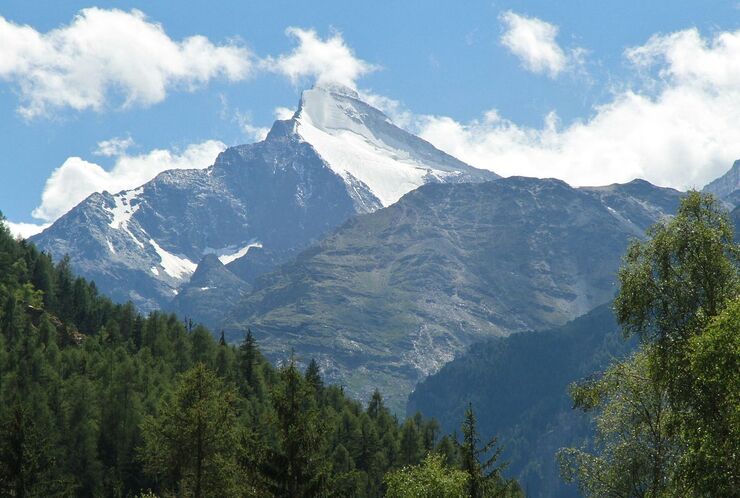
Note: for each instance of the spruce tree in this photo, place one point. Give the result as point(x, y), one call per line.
point(248, 357)
point(481, 461)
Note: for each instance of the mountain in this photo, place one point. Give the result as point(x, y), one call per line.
point(211, 289)
point(391, 296)
point(518, 386)
point(727, 186)
point(257, 206)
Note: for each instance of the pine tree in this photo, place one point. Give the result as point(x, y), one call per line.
point(248, 357)
point(410, 447)
point(313, 377)
point(297, 468)
point(480, 462)
point(192, 442)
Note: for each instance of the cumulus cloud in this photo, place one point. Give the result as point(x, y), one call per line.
point(283, 113)
point(533, 41)
point(25, 230)
point(109, 52)
point(679, 129)
point(325, 61)
point(250, 130)
point(76, 178)
point(113, 147)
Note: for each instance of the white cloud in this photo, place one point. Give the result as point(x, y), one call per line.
point(533, 41)
point(103, 52)
point(679, 129)
point(283, 113)
point(394, 109)
point(25, 230)
point(74, 180)
point(113, 147)
point(324, 61)
point(255, 133)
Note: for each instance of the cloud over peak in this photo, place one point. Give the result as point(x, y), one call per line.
point(325, 61)
point(678, 128)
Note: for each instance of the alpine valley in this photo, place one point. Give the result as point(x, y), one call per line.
point(355, 243)
point(343, 239)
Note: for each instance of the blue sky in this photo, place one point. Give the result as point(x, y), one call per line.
point(538, 88)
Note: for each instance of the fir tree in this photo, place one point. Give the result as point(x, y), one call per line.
point(481, 462)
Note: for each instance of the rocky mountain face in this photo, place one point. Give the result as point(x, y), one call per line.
point(391, 296)
point(256, 207)
point(518, 385)
point(727, 186)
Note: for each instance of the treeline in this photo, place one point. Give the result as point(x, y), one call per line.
point(97, 400)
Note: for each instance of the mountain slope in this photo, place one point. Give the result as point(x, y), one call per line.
point(727, 186)
point(518, 386)
point(144, 244)
point(392, 296)
point(256, 207)
point(378, 161)
point(211, 289)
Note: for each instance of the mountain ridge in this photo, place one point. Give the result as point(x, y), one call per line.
point(257, 206)
point(390, 296)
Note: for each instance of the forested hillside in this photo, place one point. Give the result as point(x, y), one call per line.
point(98, 400)
point(664, 416)
point(521, 383)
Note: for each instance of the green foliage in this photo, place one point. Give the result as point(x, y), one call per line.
point(711, 417)
point(431, 479)
point(191, 443)
point(96, 400)
point(481, 464)
point(297, 467)
point(667, 419)
point(634, 452)
point(676, 281)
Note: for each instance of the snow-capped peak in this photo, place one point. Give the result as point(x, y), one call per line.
point(371, 154)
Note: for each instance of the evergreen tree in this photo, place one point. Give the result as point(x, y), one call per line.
point(481, 463)
point(297, 468)
point(247, 357)
point(410, 444)
point(313, 377)
point(98, 400)
point(191, 444)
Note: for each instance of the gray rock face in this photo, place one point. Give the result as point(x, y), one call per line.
point(391, 296)
point(727, 186)
point(144, 244)
point(212, 289)
point(256, 207)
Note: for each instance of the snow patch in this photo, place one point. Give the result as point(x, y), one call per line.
point(175, 266)
point(110, 246)
point(154, 270)
point(124, 210)
point(343, 131)
point(228, 258)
